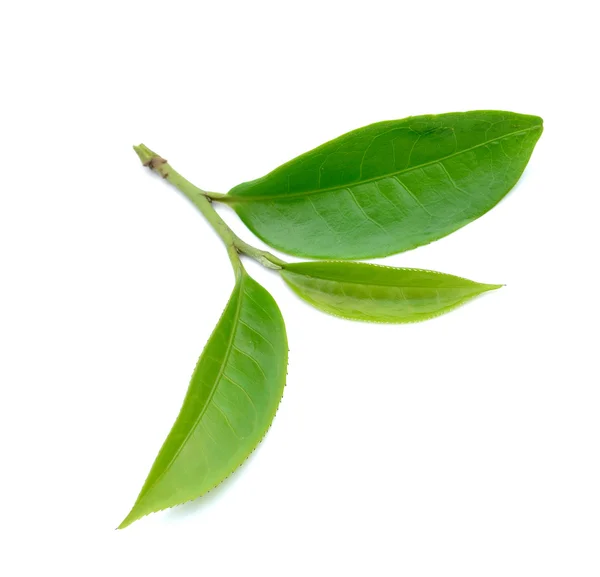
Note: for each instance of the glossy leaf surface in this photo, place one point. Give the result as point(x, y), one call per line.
point(231, 401)
point(390, 186)
point(368, 292)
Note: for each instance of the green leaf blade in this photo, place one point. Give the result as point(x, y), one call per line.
point(389, 187)
point(231, 401)
point(373, 293)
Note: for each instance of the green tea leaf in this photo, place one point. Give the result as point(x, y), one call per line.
point(231, 401)
point(390, 186)
point(368, 292)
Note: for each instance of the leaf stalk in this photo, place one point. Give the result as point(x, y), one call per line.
point(202, 200)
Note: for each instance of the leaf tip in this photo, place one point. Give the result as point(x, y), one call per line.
point(129, 519)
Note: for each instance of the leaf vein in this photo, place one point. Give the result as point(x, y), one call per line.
point(259, 306)
point(258, 333)
point(243, 390)
point(251, 358)
point(349, 190)
point(397, 179)
point(250, 198)
point(216, 406)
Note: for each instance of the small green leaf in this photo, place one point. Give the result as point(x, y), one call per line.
point(368, 292)
point(390, 186)
point(230, 403)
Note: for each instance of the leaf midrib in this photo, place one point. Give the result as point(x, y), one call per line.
point(229, 198)
point(382, 285)
point(212, 392)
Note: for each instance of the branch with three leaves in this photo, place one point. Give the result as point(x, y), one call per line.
point(379, 190)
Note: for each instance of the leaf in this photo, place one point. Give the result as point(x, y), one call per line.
point(230, 403)
point(368, 292)
point(390, 186)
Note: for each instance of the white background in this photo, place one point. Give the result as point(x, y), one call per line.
point(468, 445)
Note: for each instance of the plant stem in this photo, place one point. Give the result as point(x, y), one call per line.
point(202, 201)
